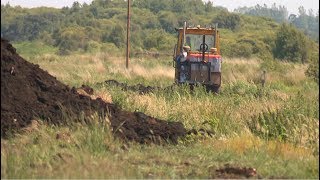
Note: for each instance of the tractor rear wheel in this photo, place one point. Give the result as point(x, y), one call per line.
point(213, 88)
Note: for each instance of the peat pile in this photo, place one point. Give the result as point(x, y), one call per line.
point(234, 172)
point(140, 88)
point(28, 92)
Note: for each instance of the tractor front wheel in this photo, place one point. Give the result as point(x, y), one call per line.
point(213, 88)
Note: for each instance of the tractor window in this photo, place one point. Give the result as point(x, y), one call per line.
point(195, 40)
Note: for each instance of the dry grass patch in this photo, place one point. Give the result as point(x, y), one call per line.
point(247, 142)
point(145, 72)
point(252, 108)
point(240, 70)
point(238, 144)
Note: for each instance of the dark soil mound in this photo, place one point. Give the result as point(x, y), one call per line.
point(234, 172)
point(28, 92)
point(141, 89)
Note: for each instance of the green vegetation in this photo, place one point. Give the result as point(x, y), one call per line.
point(101, 26)
point(290, 44)
point(273, 128)
point(279, 14)
point(90, 152)
point(34, 48)
point(308, 23)
point(313, 70)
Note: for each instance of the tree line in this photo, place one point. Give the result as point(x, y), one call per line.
point(101, 25)
point(307, 22)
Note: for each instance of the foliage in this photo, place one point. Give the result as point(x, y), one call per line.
point(279, 13)
point(228, 20)
point(288, 125)
point(308, 23)
point(168, 21)
point(117, 36)
point(272, 65)
point(82, 27)
point(71, 39)
point(313, 69)
point(34, 48)
point(273, 129)
point(290, 44)
point(241, 49)
point(158, 39)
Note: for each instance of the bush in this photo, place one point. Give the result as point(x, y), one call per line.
point(227, 20)
point(313, 69)
point(290, 44)
point(241, 49)
point(272, 65)
point(295, 121)
point(92, 46)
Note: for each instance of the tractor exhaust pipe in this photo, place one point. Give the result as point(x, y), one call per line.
point(184, 34)
point(203, 46)
point(215, 35)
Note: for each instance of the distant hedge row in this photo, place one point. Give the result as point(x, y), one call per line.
point(84, 27)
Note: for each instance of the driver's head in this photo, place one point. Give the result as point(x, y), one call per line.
point(213, 50)
point(186, 48)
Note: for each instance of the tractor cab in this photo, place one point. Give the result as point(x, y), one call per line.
point(197, 58)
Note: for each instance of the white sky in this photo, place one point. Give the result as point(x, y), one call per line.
point(292, 5)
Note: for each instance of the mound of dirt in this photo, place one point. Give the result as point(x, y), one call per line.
point(28, 92)
point(141, 89)
point(234, 172)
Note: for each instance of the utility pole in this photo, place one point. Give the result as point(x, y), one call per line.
point(128, 35)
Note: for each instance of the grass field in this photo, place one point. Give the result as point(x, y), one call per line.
point(273, 128)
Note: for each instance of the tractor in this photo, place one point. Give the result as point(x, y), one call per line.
point(197, 59)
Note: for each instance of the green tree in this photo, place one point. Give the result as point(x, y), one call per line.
point(279, 13)
point(153, 23)
point(117, 36)
point(28, 27)
point(227, 20)
point(168, 21)
point(158, 39)
point(178, 6)
point(72, 39)
point(290, 44)
point(313, 69)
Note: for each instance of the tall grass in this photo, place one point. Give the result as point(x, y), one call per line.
point(90, 152)
point(272, 128)
point(225, 114)
point(296, 122)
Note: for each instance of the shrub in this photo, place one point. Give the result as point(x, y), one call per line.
point(290, 44)
point(313, 69)
point(296, 122)
point(227, 20)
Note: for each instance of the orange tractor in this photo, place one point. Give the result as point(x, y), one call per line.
point(197, 58)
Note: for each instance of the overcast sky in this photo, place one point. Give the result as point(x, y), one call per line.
point(292, 5)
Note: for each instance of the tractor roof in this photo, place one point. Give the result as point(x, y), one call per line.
point(196, 30)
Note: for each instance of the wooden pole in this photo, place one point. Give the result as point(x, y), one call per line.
point(128, 35)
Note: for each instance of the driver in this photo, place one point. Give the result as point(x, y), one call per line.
point(186, 50)
point(183, 63)
point(214, 51)
point(183, 55)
